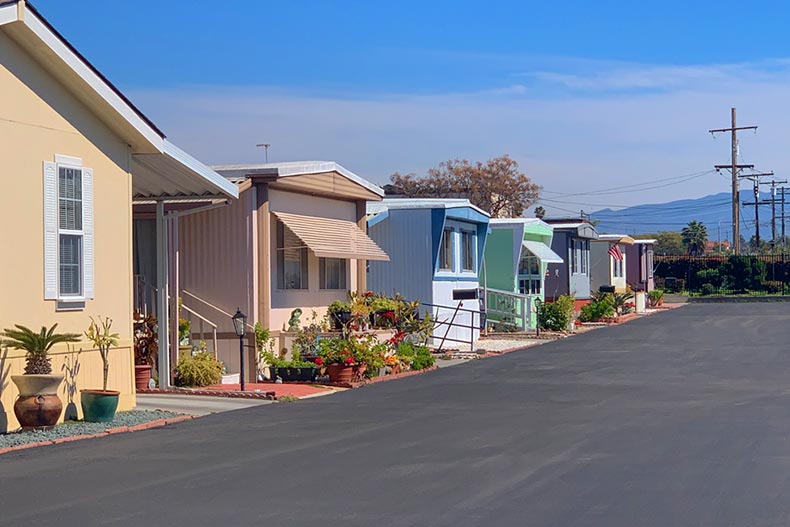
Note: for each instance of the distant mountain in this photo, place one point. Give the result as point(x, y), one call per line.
point(714, 211)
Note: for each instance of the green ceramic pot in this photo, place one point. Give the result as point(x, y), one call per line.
point(99, 406)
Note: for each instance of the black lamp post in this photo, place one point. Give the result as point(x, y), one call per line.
point(240, 325)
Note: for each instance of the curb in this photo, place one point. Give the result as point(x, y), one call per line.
point(270, 396)
point(110, 431)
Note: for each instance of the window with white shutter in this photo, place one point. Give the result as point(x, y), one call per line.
point(68, 231)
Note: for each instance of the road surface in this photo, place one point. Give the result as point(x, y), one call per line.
point(677, 419)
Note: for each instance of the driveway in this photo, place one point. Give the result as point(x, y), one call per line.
point(194, 404)
point(677, 419)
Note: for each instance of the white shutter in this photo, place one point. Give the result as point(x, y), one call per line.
point(87, 228)
point(50, 231)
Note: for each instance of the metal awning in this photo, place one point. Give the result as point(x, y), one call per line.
point(542, 251)
point(332, 238)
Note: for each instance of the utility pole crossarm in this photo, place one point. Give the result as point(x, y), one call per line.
point(734, 128)
point(719, 167)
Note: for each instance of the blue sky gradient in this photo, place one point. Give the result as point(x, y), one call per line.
point(584, 95)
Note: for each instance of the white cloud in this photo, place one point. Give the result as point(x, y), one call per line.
point(578, 141)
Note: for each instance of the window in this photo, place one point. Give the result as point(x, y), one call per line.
point(332, 273)
point(650, 264)
point(446, 250)
point(70, 234)
point(583, 253)
point(529, 275)
point(574, 258)
point(291, 259)
point(467, 251)
point(617, 266)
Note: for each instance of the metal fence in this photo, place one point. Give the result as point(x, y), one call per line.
point(724, 275)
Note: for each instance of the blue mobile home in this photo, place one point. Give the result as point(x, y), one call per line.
point(436, 251)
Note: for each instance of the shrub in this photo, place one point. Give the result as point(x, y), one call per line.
point(773, 286)
point(744, 272)
point(595, 311)
point(555, 316)
point(419, 357)
point(199, 370)
point(656, 296)
point(707, 289)
point(709, 276)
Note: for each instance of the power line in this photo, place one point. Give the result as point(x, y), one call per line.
point(618, 190)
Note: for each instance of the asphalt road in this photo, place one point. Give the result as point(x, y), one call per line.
point(678, 419)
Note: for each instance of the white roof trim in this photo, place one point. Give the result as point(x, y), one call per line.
point(102, 89)
point(644, 241)
point(213, 178)
point(300, 168)
point(422, 203)
point(8, 13)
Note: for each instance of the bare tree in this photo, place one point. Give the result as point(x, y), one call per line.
point(497, 186)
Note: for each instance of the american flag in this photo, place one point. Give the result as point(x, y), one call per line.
point(614, 252)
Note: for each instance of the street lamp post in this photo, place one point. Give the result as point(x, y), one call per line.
point(240, 325)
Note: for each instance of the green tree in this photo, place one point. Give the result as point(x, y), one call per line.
point(694, 235)
point(497, 186)
point(667, 242)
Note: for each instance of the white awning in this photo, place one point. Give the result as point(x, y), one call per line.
point(332, 238)
point(542, 251)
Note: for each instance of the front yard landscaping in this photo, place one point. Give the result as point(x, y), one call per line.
point(72, 430)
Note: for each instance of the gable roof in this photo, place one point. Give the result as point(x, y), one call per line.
point(25, 26)
point(238, 173)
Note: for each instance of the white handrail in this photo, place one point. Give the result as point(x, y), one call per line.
point(209, 304)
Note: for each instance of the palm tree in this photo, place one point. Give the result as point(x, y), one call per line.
point(695, 234)
point(540, 212)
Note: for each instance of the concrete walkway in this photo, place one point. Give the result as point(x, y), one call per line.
point(194, 404)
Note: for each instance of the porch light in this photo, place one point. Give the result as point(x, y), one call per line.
point(240, 325)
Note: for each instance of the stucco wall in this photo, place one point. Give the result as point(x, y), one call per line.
point(39, 119)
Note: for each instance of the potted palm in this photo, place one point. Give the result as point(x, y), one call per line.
point(99, 406)
point(38, 404)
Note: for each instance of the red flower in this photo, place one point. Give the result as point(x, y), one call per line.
point(369, 294)
point(349, 361)
point(318, 361)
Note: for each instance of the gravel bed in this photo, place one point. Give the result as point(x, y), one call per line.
point(495, 345)
point(77, 428)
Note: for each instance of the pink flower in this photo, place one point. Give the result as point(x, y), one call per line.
point(349, 361)
point(318, 361)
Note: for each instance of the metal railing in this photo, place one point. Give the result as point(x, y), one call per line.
point(201, 319)
point(452, 323)
point(511, 309)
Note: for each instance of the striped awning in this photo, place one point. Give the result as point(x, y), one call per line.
point(332, 238)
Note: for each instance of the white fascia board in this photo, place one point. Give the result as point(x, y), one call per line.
point(101, 88)
point(223, 185)
point(9, 13)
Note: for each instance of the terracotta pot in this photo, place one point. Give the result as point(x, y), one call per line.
point(38, 411)
point(37, 384)
point(340, 372)
point(142, 374)
point(359, 372)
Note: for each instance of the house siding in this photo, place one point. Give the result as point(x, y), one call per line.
point(39, 119)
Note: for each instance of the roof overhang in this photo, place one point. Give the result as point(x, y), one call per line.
point(643, 241)
point(325, 178)
point(616, 238)
point(165, 171)
point(542, 251)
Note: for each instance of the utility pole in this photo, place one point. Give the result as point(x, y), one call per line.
point(757, 202)
point(783, 218)
point(736, 231)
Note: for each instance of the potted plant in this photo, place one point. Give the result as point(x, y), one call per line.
point(296, 369)
point(146, 348)
point(383, 312)
point(656, 297)
point(336, 354)
point(38, 404)
point(99, 406)
point(339, 314)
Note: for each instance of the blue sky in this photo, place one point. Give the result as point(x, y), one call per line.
point(584, 95)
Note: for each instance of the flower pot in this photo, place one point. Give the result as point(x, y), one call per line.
point(340, 319)
point(294, 374)
point(99, 406)
point(340, 372)
point(142, 374)
point(38, 404)
point(359, 372)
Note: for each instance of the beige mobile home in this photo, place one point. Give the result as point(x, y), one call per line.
point(295, 239)
point(74, 155)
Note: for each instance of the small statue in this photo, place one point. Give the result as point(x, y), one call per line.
point(293, 323)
